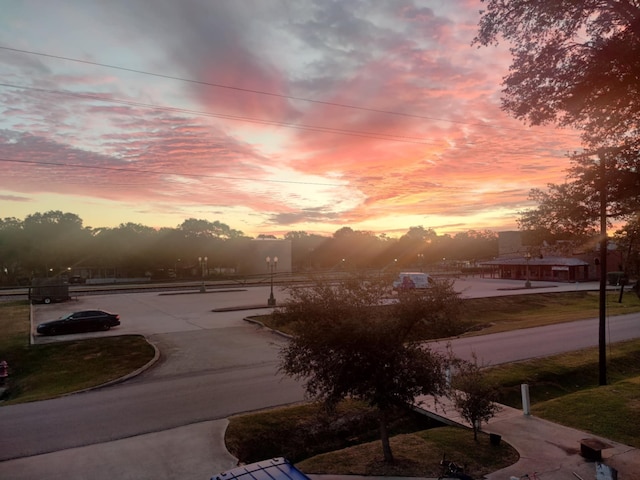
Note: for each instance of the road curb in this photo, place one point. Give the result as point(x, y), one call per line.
point(260, 324)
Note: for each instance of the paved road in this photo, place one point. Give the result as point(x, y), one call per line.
point(543, 341)
point(214, 365)
point(204, 375)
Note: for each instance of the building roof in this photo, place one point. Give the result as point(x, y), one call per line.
point(275, 469)
point(537, 261)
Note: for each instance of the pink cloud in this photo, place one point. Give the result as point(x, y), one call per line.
point(430, 138)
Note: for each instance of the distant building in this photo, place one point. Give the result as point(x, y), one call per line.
point(552, 269)
point(555, 263)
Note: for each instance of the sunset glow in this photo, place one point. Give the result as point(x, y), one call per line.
point(269, 116)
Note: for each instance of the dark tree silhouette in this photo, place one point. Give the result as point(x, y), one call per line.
point(348, 344)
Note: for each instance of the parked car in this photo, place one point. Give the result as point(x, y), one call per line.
point(412, 280)
point(84, 321)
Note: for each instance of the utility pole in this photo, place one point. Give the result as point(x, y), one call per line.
point(602, 325)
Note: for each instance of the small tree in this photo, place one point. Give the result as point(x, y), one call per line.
point(347, 343)
point(473, 395)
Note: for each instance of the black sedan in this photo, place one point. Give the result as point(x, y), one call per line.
point(85, 321)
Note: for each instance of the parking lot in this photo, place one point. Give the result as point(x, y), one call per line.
point(152, 313)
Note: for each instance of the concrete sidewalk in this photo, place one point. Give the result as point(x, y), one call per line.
point(198, 452)
point(549, 449)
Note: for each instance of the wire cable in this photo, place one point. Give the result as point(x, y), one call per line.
point(154, 172)
point(312, 128)
point(261, 92)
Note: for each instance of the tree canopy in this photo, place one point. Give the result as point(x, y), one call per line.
point(575, 63)
point(56, 243)
point(198, 228)
point(348, 344)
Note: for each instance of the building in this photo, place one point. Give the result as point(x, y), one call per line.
point(551, 269)
point(551, 263)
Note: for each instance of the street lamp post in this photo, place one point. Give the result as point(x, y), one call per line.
point(203, 269)
point(421, 261)
point(527, 257)
point(272, 265)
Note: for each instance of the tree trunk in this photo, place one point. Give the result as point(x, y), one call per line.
point(384, 437)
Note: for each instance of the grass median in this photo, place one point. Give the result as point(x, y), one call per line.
point(513, 312)
point(40, 372)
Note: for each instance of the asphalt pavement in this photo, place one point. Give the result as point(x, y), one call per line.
point(198, 451)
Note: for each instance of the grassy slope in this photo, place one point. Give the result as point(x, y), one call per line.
point(564, 389)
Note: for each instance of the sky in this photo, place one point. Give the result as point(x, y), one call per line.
point(270, 116)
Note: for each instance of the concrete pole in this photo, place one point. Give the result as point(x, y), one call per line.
point(526, 401)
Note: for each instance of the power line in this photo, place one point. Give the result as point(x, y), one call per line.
point(312, 128)
point(154, 172)
point(261, 92)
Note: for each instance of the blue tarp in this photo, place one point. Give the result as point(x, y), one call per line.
point(274, 469)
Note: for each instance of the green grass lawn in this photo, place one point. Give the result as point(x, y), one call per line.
point(564, 389)
point(347, 443)
point(416, 454)
point(611, 411)
point(498, 314)
point(39, 372)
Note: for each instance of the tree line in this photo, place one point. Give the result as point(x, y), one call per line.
point(56, 243)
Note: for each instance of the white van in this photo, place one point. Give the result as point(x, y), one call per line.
point(411, 280)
